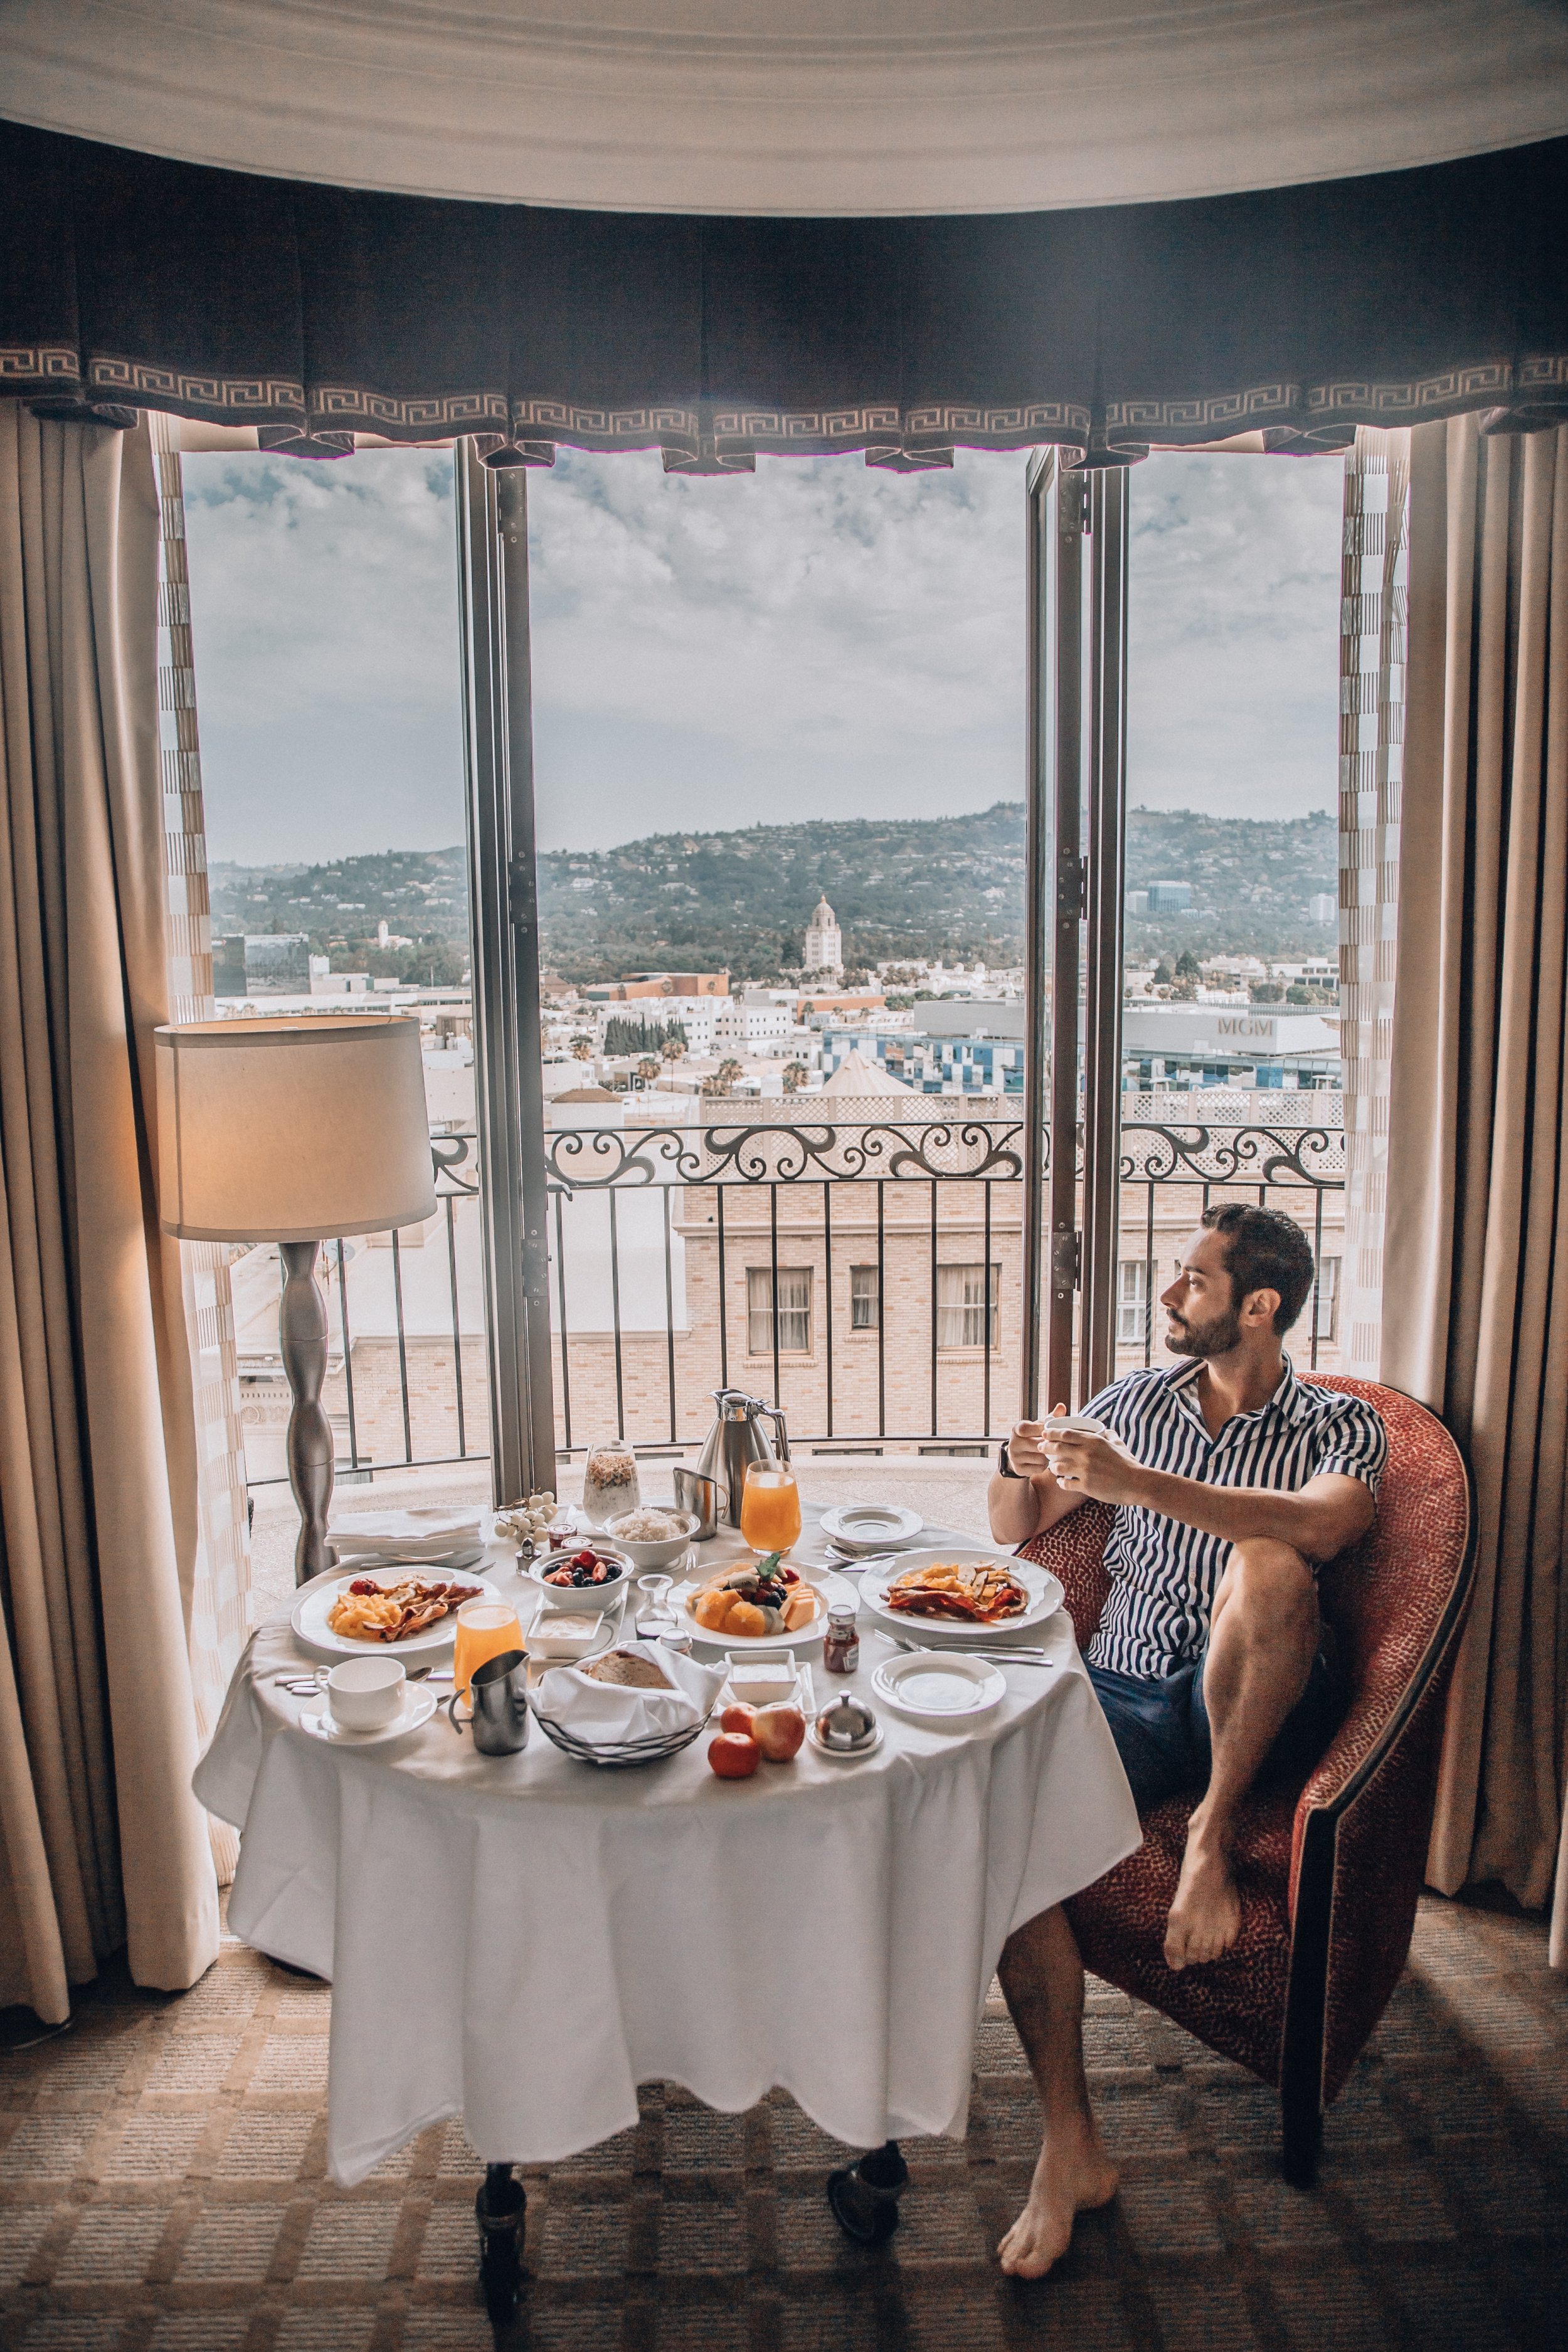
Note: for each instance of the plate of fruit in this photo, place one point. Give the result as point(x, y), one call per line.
point(759, 1600)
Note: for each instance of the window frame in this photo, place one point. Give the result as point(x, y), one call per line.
point(766, 1282)
point(985, 1307)
point(866, 1293)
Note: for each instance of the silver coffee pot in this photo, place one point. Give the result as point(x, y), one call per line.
point(736, 1439)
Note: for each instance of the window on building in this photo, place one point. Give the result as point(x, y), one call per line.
point(1326, 1300)
point(1132, 1302)
point(794, 1304)
point(966, 1306)
point(865, 1298)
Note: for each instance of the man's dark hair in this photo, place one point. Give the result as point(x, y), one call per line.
point(1264, 1250)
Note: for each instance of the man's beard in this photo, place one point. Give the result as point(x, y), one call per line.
point(1216, 1337)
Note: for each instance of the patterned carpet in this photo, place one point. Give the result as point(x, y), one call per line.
point(160, 2190)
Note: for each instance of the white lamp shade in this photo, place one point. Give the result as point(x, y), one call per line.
point(293, 1130)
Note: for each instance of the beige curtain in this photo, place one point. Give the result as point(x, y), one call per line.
point(102, 1842)
point(1476, 1286)
point(219, 1614)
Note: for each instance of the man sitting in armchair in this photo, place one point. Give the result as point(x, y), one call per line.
point(1232, 1482)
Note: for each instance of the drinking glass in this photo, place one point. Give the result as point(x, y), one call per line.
point(485, 1628)
point(770, 1507)
point(658, 1615)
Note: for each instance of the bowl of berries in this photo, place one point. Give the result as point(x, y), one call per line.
point(587, 1575)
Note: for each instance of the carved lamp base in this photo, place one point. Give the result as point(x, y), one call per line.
point(302, 1339)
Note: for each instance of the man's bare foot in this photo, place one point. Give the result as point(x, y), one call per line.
point(1205, 1912)
point(1068, 2180)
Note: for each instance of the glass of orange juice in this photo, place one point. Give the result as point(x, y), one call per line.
point(485, 1628)
point(770, 1507)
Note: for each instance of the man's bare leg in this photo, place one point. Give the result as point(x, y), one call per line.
point(1263, 1639)
point(1042, 1976)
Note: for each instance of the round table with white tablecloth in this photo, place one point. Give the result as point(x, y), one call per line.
point(522, 1940)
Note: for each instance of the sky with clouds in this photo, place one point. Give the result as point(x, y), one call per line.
point(818, 639)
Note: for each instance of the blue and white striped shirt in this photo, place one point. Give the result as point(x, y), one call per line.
point(1162, 1574)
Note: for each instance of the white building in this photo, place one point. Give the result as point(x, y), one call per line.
point(757, 1027)
point(823, 940)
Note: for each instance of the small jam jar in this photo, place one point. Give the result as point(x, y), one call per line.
point(841, 1643)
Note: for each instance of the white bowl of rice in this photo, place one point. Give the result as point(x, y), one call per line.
point(654, 1535)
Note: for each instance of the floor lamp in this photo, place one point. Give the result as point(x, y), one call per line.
point(295, 1131)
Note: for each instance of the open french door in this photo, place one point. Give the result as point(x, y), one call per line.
point(1077, 556)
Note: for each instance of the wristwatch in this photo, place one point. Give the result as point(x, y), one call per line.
point(1005, 1463)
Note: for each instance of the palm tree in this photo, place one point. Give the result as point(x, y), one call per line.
point(672, 1049)
point(722, 1081)
point(583, 1049)
point(648, 1069)
point(793, 1077)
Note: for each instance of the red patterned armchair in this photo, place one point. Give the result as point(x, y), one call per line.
point(1328, 1873)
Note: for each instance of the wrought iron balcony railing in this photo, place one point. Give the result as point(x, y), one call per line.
point(866, 1276)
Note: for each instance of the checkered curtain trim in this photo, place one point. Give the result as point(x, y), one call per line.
point(1373, 608)
point(220, 1612)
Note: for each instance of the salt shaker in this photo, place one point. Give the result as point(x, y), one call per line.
point(841, 1643)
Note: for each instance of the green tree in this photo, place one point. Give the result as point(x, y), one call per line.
point(793, 1077)
point(1188, 966)
point(1163, 975)
point(581, 1049)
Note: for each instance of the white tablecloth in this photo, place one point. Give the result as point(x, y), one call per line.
point(522, 1940)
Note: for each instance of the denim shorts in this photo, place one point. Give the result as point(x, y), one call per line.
point(1162, 1729)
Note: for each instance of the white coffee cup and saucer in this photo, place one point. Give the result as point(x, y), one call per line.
point(369, 1699)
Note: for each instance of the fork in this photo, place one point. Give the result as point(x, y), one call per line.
point(992, 1657)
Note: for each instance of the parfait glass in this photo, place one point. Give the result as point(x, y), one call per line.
point(770, 1507)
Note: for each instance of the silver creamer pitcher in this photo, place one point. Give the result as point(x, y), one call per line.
point(737, 1439)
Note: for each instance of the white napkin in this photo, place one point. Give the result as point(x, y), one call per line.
point(603, 1712)
point(431, 1532)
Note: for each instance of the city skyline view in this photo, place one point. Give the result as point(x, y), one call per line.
point(818, 640)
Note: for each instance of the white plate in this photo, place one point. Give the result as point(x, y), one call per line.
point(939, 1687)
point(418, 1706)
point(308, 1615)
point(828, 1586)
point(1045, 1592)
point(870, 1526)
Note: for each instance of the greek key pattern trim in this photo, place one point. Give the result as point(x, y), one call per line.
point(437, 413)
point(1390, 403)
point(38, 363)
point(1236, 412)
point(232, 396)
point(729, 431)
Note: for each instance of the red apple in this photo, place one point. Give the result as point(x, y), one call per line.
point(778, 1732)
point(733, 1757)
point(738, 1719)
